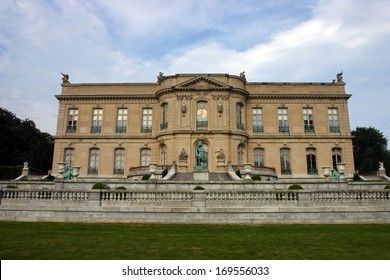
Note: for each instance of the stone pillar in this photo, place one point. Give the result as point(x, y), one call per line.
point(198, 198)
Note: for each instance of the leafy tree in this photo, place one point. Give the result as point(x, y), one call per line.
point(370, 148)
point(21, 141)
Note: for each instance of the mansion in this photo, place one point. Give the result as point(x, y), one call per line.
point(203, 121)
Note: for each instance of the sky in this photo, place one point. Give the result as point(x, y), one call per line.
point(132, 41)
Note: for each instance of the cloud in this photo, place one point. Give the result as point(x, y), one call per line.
point(125, 41)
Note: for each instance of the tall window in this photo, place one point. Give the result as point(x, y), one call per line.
point(240, 154)
point(201, 115)
point(308, 119)
point(121, 121)
point(333, 119)
point(97, 119)
point(311, 161)
point(164, 123)
point(259, 157)
point(285, 159)
point(283, 119)
point(94, 159)
point(73, 116)
point(336, 156)
point(119, 161)
point(257, 114)
point(239, 118)
point(69, 157)
point(163, 155)
point(146, 120)
point(145, 156)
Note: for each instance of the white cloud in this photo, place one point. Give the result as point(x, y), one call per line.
point(122, 41)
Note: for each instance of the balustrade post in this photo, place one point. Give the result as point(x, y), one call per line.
point(199, 198)
point(303, 198)
point(95, 197)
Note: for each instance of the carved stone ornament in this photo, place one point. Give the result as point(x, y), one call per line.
point(65, 78)
point(183, 105)
point(220, 106)
point(183, 155)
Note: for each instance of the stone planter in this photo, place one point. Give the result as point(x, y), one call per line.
point(76, 171)
point(152, 171)
point(326, 171)
point(247, 171)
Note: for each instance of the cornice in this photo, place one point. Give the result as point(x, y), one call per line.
point(299, 96)
point(105, 97)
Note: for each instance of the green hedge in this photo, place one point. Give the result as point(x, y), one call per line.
point(100, 186)
point(10, 172)
point(146, 177)
point(198, 188)
point(295, 187)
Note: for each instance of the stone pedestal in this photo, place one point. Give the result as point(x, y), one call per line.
point(201, 175)
point(221, 167)
point(183, 166)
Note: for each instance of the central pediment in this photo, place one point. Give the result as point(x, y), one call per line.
point(201, 83)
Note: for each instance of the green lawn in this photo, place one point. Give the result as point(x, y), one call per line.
point(153, 241)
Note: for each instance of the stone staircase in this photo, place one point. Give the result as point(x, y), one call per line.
point(188, 176)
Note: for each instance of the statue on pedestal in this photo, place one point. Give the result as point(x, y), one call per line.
point(201, 160)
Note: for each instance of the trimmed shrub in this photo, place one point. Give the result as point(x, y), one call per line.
point(256, 177)
point(387, 187)
point(198, 188)
point(146, 177)
point(100, 186)
point(11, 187)
point(10, 172)
point(120, 188)
point(295, 187)
point(164, 173)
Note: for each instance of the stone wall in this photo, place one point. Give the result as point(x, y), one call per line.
point(188, 206)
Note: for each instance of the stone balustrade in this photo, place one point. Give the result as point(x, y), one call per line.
point(145, 196)
point(252, 196)
point(349, 195)
point(11, 194)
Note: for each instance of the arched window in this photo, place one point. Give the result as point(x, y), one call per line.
point(145, 156)
point(336, 156)
point(201, 115)
point(239, 116)
point(311, 161)
point(240, 154)
point(119, 161)
point(163, 155)
point(69, 157)
point(94, 159)
point(285, 160)
point(164, 117)
point(259, 157)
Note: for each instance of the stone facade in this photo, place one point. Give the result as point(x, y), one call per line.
point(296, 128)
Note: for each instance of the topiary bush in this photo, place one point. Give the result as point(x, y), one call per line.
point(295, 187)
point(256, 177)
point(11, 187)
point(120, 188)
point(198, 188)
point(387, 187)
point(100, 186)
point(146, 177)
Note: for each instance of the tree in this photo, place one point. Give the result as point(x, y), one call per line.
point(21, 141)
point(370, 148)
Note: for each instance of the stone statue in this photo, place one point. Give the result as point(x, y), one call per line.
point(339, 77)
point(381, 166)
point(65, 78)
point(183, 155)
point(201, 160)
point(25, 165)
point(160, 77)
point(220, 155)
point(242, 75)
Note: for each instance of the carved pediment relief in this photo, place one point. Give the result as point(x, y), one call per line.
point(202, 84)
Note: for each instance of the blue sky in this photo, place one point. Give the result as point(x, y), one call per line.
point(132, 41)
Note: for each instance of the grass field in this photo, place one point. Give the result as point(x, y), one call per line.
point(73, 241)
